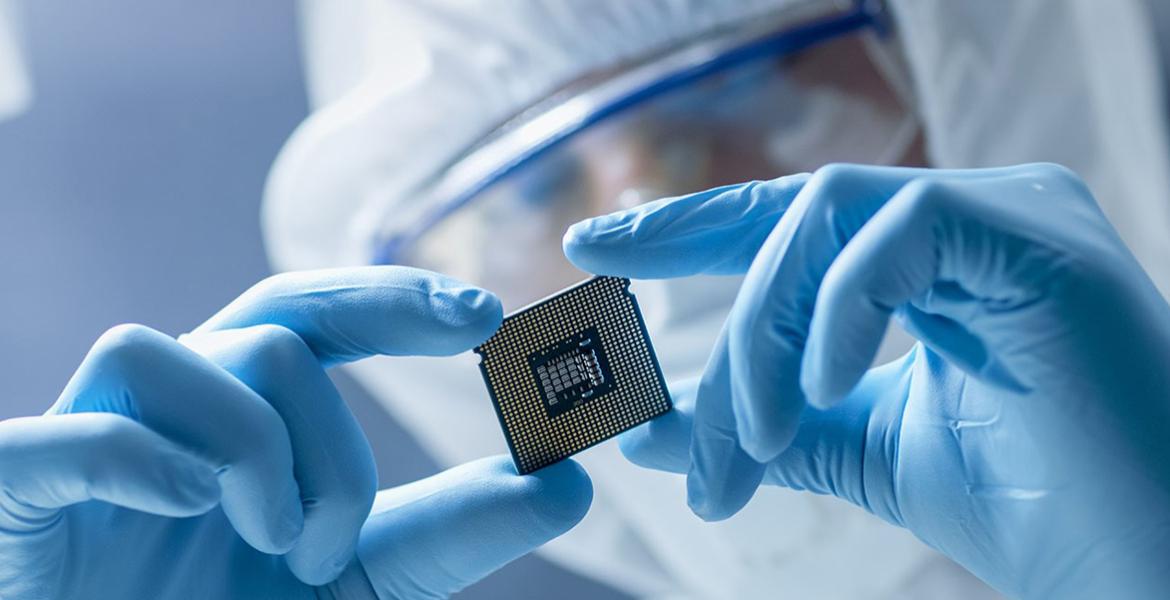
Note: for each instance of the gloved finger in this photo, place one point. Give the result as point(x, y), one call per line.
point(768, 323)
point(432, 538)
point(949, 232)
point(47, 463)
point(348, 314)
point(332, 461)
point(722, 477)
point(664, 443)
point(142, 374)
point(717, 231)
point(750, 402)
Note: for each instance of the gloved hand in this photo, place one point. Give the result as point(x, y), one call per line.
point(226, 465)
point(1027, 436)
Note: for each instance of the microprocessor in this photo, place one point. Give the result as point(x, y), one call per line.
point(571, 371)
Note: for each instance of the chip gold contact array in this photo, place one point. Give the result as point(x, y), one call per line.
point(572, 370)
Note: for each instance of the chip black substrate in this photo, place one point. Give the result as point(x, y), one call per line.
point(572, 370)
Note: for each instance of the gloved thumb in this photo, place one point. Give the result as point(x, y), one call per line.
point(432, 538)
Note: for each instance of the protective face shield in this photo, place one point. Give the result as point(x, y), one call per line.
point(475, 132)
point(781, 95)
point(15, 88)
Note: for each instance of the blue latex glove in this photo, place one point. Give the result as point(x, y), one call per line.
point(1027, 436)
point(226, 465)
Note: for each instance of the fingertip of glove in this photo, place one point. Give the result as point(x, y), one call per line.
point(819, 393)
point(765, 436)
point(764, 447)
point(706, 510)
point(596, 229)
point(280, 529)
point(558, 495)
point(636, 446)
point(481, 305)
point(661, 445)
point(472, 310)
point(321, 572)
point(577, 245)
point(598, 245)
point(720, 495)
point(576, 235)
point(564, 494)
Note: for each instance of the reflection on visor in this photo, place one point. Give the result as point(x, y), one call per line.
point(760, 119)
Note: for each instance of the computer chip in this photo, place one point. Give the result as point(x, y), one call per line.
point(572, 370)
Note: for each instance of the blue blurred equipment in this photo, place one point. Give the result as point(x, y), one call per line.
point(1025, 436)
point(15, 86)
point(226, 465)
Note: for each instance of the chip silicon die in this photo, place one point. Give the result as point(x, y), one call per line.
point(571, 371)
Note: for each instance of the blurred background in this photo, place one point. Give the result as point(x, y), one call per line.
point(130, 192)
